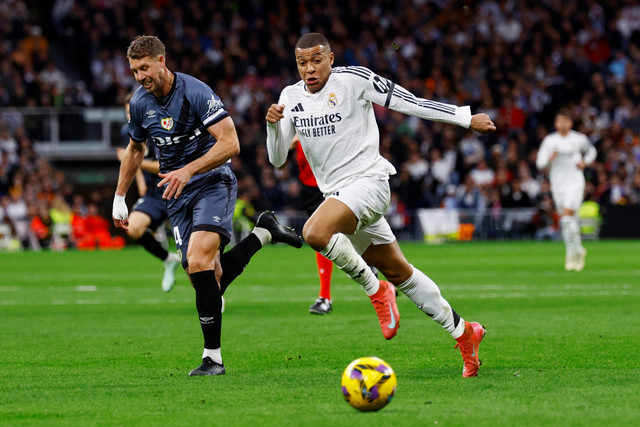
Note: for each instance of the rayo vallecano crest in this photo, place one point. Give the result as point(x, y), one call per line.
point(167, 123)
point(333, 100)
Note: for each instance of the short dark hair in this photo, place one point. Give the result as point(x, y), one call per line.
point(311, 40)
point(565, 112)
point(143, 46)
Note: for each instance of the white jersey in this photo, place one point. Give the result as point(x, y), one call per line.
point(572, 148)
point(337, 127)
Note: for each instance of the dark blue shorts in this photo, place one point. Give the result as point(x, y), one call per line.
point(153, 205)
point(206, 204)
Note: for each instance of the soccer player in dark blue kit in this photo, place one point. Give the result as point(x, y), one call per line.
point(196, 138)
point(150, 210)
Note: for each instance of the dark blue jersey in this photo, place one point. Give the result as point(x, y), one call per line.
point(177, 123)
point(152, 179)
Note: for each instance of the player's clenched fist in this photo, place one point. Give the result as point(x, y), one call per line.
point(275, 113)
point(481, 123)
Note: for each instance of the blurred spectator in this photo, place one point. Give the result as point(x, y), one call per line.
point(41, 224)
point(482, 175)
point(634, 190)
point(546, 220)
point(529, 185)
point(9, 147)
point(17, 212)
point(449, 200)
point(469, 196)
point(7, 229)
point(472, 150)
point(516, 198)
point(417, 166)
point(61, 216)
point(92, 231)
point(440, 168)
point(397, 215)
point(244, 215)
point(616, 194)
point(590, 218)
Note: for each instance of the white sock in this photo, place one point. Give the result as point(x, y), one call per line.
point(171, 256)
point(566, 224)
point(575, 231)
point(214, 354)
point(344, 256)
point(262, 234)
point(426, 295)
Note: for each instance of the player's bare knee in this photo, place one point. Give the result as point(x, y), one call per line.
point(316, 238)
point(200, 261)
point(197, 264)
point(135, 232)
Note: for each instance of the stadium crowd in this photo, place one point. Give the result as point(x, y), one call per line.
point(518, 61)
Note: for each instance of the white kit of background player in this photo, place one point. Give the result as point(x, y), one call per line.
point(566, 153)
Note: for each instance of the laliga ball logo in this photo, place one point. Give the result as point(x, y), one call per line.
point(368, 384)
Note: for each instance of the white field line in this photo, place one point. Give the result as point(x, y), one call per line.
point(310, 275)
point(347, 287)
point(263, 294)
point(124, 277)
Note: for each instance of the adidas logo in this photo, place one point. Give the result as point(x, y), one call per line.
point(297, 108)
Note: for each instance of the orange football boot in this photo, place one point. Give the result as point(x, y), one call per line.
point(384, 302)
point(469, 344)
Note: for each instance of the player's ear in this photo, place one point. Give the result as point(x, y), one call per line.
point(331, 58)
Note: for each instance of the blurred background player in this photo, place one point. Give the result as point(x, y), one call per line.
point(150, 211)
point(566, 153)
point(311, 198)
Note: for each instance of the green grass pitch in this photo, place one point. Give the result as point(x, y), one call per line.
point(88, 338)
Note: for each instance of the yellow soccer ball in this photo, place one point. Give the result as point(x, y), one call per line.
point(369, 384)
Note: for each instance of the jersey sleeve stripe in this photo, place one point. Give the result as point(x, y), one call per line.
point(364, 70)
point(216, 117)
point(352, 71)
point(424, 102)
point(450, 108)
point(136, 139)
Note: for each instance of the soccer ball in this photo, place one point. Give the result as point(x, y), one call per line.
point(368, 384)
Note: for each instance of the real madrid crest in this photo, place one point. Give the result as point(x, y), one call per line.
point(333, 100)
point(167, 123)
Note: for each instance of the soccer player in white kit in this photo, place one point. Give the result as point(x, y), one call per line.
point(566, 153)
point(331, 110)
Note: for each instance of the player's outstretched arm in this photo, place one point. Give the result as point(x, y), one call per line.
point(129, 166)
point(482, 123)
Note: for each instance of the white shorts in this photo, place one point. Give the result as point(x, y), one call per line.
point(368, 199)
point(568, 197)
